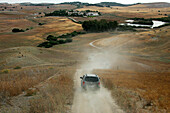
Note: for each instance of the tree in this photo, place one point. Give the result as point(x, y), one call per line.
point(99, 26)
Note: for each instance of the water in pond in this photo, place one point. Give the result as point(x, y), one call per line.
point(155, 24)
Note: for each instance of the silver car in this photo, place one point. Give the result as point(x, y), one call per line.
point(90, 81)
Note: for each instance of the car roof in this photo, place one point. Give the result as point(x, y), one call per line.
point(91, 75)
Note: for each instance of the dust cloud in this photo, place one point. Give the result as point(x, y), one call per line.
point(99, 101)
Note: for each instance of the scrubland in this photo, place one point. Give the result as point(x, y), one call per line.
point(41, 80)
point(138, 91)
point(46, 88)
point(131, 11)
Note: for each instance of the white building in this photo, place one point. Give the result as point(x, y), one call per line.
point(92, 14)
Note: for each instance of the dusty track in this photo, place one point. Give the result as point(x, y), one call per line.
point(107, 44)
point(101, 58)
point(92, 101)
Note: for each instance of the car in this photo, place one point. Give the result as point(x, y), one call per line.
point(90, 81)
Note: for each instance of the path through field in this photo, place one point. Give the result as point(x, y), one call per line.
point(101, 58)
point(92, 101)
point(99, 101)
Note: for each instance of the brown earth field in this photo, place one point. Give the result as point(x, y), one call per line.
point(133, 66)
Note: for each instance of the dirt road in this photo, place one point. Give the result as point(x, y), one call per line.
point(101, 58)
point(92, 101)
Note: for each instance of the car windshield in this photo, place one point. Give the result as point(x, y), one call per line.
point(91, 79)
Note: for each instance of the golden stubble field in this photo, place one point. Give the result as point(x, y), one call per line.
point(139, 79)
point(47, 74)
point(53, 25)
point(140, 11)
point(34, 9)
point(131, 89)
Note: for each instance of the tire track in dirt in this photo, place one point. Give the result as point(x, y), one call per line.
point(116, 48)
point(99, 101)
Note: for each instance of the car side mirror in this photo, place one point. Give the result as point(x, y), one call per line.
point(81, 77)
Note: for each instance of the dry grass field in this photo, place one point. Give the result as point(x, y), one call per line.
point(138, 91)
point(25, 70)
point(152, 45)
point(34, 9)
point(42, 79)
point(53, 25)
point(44, 88)
point(121, 13)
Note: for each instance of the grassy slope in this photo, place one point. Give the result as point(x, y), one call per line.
point(56, 26)
point(131, 11)
point(121, 82)
point(138, 91)
point(141, 90)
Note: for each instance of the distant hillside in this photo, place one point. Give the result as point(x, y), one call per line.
point(157, 4)
point(75, 3)
point(112, 4)
point(39, 4)
point(102, 4)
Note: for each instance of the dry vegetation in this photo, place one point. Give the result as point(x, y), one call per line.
point(8, 25)
point(47, 88)
point(34, 9)
point(14, 82)
point(117, 13)
point(56, 96)
point(138, 91)
point(131, 11)
point(150, 44)
point(53, 25)
point(44, 89)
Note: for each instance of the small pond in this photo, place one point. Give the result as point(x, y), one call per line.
point(155, 24)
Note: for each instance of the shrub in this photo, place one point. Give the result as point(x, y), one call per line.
point(5, 71)
point(144, 22)
point(54, 42)
point(125, 28)
point(58, 13)
point(41, 24)
point(27, 29)
point(164, 19)
point(69, 40)
point(62, 41)
point(48, 45)
point(45, 44)
point(17, 30)
point(51, 37)
point(31, 27)
point(17, 67)
point(74, 33)
point(65, 36)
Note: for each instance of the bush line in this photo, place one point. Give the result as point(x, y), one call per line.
point(62, 39)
